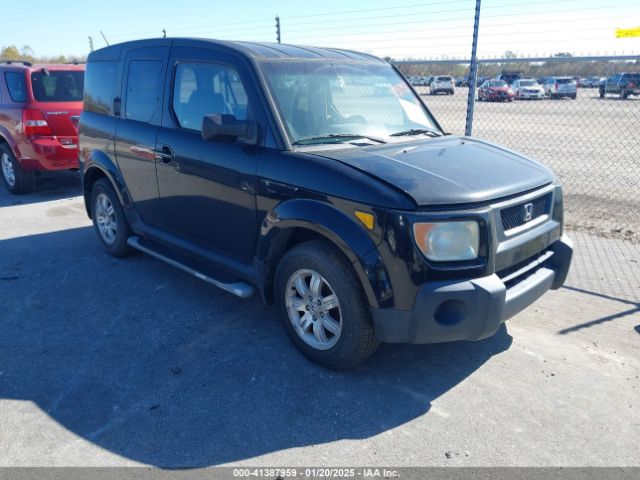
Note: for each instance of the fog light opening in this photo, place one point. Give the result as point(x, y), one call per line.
point(451, 312)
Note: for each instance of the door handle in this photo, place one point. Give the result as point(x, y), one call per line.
point(164, 154)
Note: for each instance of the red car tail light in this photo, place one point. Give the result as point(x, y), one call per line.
point(34, 123)
point(556, 86)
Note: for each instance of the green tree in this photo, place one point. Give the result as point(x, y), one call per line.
point(10, 53)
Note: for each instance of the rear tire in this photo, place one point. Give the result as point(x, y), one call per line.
point(109, 220)
point(15, 179)
point(307, 277)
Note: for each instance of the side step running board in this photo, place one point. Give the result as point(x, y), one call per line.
point(240, 289)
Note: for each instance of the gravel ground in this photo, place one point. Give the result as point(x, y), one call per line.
point(592, 144)
point(107, 362)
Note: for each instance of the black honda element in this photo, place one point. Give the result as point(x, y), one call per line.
point(319, 178)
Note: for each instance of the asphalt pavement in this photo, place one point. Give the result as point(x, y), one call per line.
point(117, 362)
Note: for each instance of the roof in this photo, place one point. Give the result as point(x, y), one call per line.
point(254, 50)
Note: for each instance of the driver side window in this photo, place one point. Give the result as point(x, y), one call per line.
point(206, 88)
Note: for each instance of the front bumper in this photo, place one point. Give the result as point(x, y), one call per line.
point(473, 309)
point(531, 95)
point(495, 97)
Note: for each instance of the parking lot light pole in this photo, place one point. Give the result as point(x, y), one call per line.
point(473, 73)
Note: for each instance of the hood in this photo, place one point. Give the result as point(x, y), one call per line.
point(447, 170)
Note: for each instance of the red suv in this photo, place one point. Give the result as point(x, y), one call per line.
point(39, 110)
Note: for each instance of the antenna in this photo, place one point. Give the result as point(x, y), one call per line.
point(105, 38)
point(164, 33)
point(91, 44)
point(278, 28)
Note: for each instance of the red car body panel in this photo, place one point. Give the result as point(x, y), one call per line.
point(57, 150)
point(496, 93)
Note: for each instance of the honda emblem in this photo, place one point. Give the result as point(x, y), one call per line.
point(528, 211)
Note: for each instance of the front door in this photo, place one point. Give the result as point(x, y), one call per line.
point(141, 114)
point(207, 187)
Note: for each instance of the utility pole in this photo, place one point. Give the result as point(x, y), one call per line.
point(473, 73)
point(105, 38)
point(91, 44)
point(164, 33)
point(278, 28)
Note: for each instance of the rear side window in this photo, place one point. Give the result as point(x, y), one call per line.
point(444, 79)
point(57, 86)
point(16, 86)
point(206, 88)
point(144, 89)
point(101, 87)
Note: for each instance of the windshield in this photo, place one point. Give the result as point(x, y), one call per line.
point(565, 80)
point(527, 83)
point(57, 86)
point(322, 102)
point(497, 83)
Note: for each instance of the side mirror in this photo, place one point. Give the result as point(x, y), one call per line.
point(223, 126)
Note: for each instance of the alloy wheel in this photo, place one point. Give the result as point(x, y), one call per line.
point(7, 170)
point(314, 309)
point(106, 219)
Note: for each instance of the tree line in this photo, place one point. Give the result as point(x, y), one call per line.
point(532, 70)
point(26, 53)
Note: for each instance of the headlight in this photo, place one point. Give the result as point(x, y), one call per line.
point(447, 241)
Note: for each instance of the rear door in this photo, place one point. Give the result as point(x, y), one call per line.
point(141, 114)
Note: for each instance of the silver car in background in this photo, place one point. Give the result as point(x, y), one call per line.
point(558, 87)
point(443, 83)
point(527, 88)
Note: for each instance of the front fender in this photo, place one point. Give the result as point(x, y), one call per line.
point(327, 221)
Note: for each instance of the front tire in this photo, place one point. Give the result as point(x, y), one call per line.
point(109, 220)
point(323, 307)
point(15, 179)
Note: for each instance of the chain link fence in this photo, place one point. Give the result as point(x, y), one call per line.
point(591, 142)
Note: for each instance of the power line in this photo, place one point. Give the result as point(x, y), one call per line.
point(343, 12)
point(430, 12)
point(439, 37)
point(442, 20)
point(462, 27)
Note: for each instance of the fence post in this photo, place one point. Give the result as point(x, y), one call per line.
point(473, 73)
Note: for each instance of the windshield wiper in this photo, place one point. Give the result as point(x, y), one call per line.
point(416, 131)
point(340, 137)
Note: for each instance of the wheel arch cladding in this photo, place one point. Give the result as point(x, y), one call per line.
point(98, 166)
point(297, 221)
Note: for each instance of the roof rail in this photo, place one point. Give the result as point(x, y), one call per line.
point(9, 62)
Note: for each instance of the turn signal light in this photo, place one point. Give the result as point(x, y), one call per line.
point(367, 219)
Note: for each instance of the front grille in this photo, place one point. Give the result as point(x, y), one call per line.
point(516, 215)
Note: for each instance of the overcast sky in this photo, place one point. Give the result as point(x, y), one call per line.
point(401, 29)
